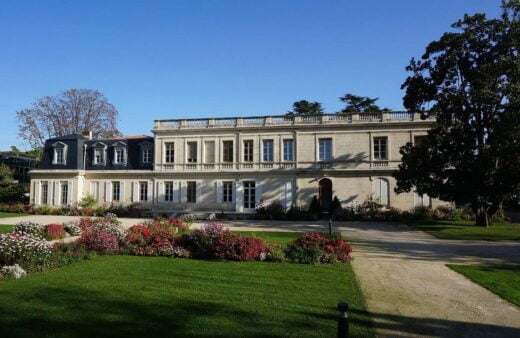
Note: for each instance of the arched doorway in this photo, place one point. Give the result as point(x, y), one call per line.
point(325, 193)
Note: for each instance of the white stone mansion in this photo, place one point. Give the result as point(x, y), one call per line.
point(235, 164)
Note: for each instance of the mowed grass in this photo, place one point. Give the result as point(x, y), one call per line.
point(158, 296)
point(467, 230)
point(502, 280)
point(5, 228)
point(10, 214)
point(272, 237)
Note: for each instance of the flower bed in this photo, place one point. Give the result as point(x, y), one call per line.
point(311, 248)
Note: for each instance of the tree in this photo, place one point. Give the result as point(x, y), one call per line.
point(6, 175)
point(70, 112)
point(360, 104)
point(469, 81)
point(304, 107)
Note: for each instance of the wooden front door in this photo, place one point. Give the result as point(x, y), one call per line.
point(325, 193)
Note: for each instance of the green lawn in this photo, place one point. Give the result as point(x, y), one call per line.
point(5, 228)
point(273, 237)
point(157, 296)
point(503, 281)
point(10, 214)
point(466, 230)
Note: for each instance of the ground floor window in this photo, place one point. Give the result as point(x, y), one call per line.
point(116, 191)
point(64, 193)
point(45, 193)
point(191, 192)
point(94, 190)
point(168, 191)
point(249, 194)
point(380, 190)
point(143, 191)
point(227, 192)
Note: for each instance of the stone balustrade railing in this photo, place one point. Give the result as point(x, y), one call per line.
point(285, 120)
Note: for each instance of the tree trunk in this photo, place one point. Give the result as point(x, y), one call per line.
point(482, 217)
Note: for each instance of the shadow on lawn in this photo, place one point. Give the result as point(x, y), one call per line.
point(72, 313)
point(394, 325)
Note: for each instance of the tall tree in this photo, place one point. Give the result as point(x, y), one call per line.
point(71, 111)
point(304, 107)
point(360, 104)
point(469, 80)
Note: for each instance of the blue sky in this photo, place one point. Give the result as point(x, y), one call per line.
point(174, 59)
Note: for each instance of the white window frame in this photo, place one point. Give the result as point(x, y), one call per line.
point(147, 155)
point(376, 142)
point(232, 151)
point(284, 157)
point(265, 154)
point(64, 193)
point(320, 153)
point(113, 192)
point(227, 191)
point(168, 191)
point(123, 148)
point(189, 150)
point(143, 191)
point(44, 198)
point(99, 146)
point(169, 152)
point(63, 148)
point(248, 152)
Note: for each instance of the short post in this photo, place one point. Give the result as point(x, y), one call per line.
point(343, 319)
point(330, 226)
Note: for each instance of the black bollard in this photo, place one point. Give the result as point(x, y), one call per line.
point(343, 320)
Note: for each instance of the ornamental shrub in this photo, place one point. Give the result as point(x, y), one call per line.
point(30, 228)
point(200, 241)
point(73, 229)
point(231, 246)
point(31, 252)
point(153, 240)
point(312, 248)
point(54, 231)
point(314, 207)
point(99, 241)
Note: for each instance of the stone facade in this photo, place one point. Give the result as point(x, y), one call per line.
point(236, 164)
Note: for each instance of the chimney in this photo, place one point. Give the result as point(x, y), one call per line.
point(87, 134)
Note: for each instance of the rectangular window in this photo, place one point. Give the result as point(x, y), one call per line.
point(168, 191)
point(325, 149)
point(227, 155)
point(98, 156)
point(147, 155)
point(380, 145)
point(143, 191)
point(192, 152)
point(288, 150)
point(209, 152)
point(45, 193)
point(248, 151)
point(120, 155)
point(249, 194)
point(64, 193)
point(116, 191)
point(59, 156)
point(227, 192)
point(169, 152)
point(268, 150)
point(191, 192)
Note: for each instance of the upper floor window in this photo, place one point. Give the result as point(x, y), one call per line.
point(380, 148)
point(325, 149)
point(120, 156)
point(147, 155)
point(169, 152)
point(99, 153)
point(248, 151)
point(209, 152)
point(268, 150)
point(192, 152)
point(288, 150)
point(227, 155)
point(60, 153)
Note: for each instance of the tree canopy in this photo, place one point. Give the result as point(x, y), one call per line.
point(360, 104)
point(72, 111)
point(469, 81)
point(304, 107)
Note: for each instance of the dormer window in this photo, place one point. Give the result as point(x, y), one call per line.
point(120, 153)
point(146, 152)
point(100, 154)
point(147, 155)
point(60, 153)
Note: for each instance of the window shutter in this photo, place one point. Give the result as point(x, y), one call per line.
point(161, 191)
point(239, 191)
point(37, 189)
point(198, 192)
point(149, 190)
point(69, 192)
point(218, 189)
point(135, 192)
point(122, 191)
point(184, 198)
point(56, 192)
point(288, 194)
point(384, 192)
point(108, 192)
point(258, 193)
